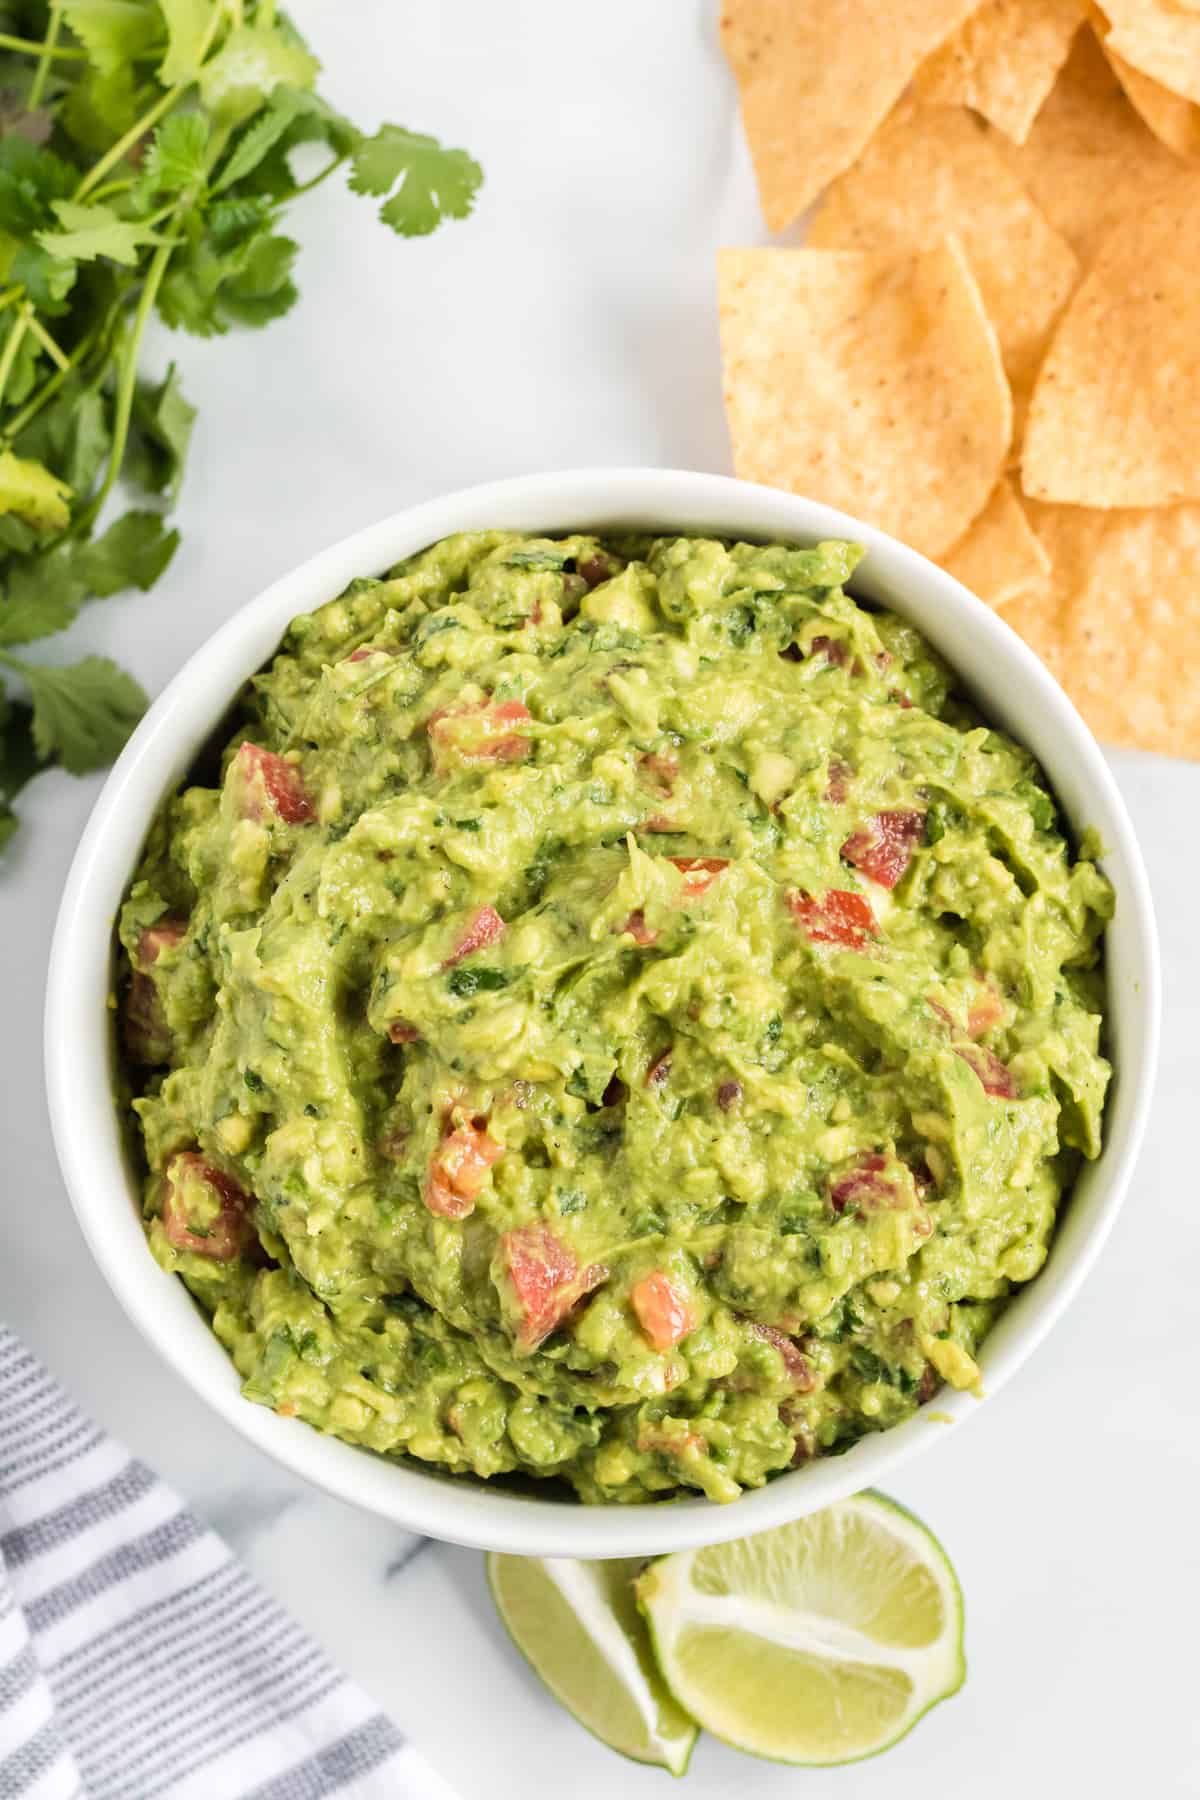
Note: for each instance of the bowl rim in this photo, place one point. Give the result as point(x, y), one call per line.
point(77, 1054)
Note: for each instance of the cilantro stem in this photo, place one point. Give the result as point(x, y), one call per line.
point(31, 47)
point(12, 344)
point(306, 187)
point(49, 344)
point(50, 387)
point(120, 186)
point(43, 69)
point(11, 294)
point(127, 379)
point(146, 123)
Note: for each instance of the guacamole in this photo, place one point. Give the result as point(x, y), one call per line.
point(612, 1012)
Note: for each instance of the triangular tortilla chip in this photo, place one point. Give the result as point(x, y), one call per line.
point(870, 381)
point(930, 171)
point(1115, 414)
point(1003, 61)
point(1160, 39)
point(1118, 623)
point(1089, 159)
point(817, 77)
point(999, 557)
point(1174, 121)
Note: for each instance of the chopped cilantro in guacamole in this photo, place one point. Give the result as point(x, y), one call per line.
point(615, 1014)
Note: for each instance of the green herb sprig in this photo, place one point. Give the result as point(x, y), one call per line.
point(146, 165)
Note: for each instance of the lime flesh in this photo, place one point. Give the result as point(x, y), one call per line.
point(578, 1626)
point(817, 1643)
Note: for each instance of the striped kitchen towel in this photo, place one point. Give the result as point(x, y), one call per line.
point(137, 1656)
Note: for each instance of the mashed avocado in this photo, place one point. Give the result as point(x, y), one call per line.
point(613, 1013)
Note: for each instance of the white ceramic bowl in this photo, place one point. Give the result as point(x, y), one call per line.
point(1011, 688)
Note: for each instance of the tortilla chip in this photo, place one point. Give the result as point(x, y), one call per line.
point(1118, 623)
point(1000, 557)
point(816, 79)
point(1115, 414)
point(1158, 38)
point(1003, 61)
point(931, 171)
point(1174, 121)
point(870, 381)
point(1089, 159)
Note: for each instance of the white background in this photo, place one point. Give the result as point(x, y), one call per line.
point(573, 321)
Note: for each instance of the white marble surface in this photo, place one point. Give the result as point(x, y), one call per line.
point(573, 321)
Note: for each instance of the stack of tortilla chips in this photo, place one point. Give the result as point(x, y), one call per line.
point(990, 342)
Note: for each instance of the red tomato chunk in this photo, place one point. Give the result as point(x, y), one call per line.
point(883, 849)
point(485, 927)
point(664, 1314)
point(220, 1237)
point(545, 1278)
point(458, 1170)
point(486, 732)
point(270, 784)
point(699, 873)
point(996, 1077)
point(838, 917)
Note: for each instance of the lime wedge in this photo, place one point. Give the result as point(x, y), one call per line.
point(820, 1642)
point(578, 1627)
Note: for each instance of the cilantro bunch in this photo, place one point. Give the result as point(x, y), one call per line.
point(146, 164)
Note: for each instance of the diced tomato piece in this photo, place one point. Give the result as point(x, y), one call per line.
point(837, 787)
point(659, 1070)
point(683, 1443)
point(638, 929)
point(834, 650)
point(662, 770)
point(164, 934)
point(883, 848)
point(401, 1032)
point(838, 917)
point(482, 733)
point(699, 873)
point(795, 1363)
point(663, 1312)
point(221, 1237)
point(597, 568)
point(362, 653)
point(271, 784)
point(987, 1008)
point(545, 1279)
point(458, 1170)
point(728, 1095)
point(997, 1078)
point(485, 927)
point(866, 1187)
point(901, 700)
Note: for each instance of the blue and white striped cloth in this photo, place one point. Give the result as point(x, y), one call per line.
point(137, 1656)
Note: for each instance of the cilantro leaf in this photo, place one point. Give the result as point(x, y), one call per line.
point(253, 61)
point(263, 290)
point(113, 32)
point(72, 434)
point(91, 231)
point(99, 109)
point(43, 597)
point(82, 712)
point(431, 183)
point(176, 157)
point(163, 422)
point(187, 35)
point(30, 178)
point(47, 279)
point(261, 135)
point(19, 761)
point(133, 552)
